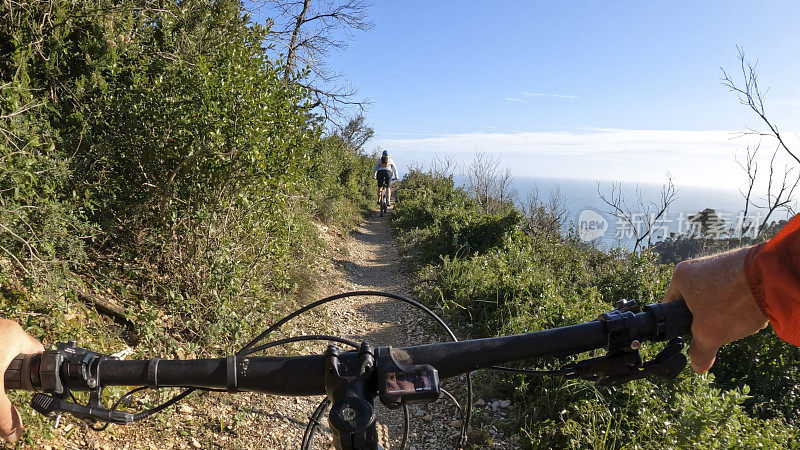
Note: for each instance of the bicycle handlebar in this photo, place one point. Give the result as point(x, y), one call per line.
point(305, 375)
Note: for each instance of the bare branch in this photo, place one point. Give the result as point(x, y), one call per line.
point(751, 168)
point(307, 36)
point(780, 188)
point(290, 56)
point(751, 96)
point(488, 183)
point(545, 217)
point(651, 214)
point(21, 110)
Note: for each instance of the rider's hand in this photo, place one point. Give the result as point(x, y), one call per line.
point(13, 341)
point(717, 292)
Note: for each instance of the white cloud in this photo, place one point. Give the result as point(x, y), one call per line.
point(702, 158)
point(542, 94)
point(527, 95)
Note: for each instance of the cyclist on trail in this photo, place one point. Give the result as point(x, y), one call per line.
point(384, 171)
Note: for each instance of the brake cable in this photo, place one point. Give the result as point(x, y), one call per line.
point(543, 373)
point(314, 420)
point(621, 363)
point(313, 423)
point(250, 347)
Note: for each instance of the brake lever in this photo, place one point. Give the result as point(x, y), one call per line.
point(621, 367)
point(53, 406)
point(669, 362)
point(81, 366)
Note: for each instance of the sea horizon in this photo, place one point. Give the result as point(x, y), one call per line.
point(582, 202)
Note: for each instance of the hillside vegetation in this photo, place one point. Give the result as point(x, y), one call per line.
point(160, 182)
point(496, 271)
point(153, 157)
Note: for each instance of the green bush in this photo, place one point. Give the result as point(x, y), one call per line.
point(529, 281)
point(154, 153)
point(340, 180)
point(443, 220)
point(770, 367)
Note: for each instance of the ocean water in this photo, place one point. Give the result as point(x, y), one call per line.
point(595, 222)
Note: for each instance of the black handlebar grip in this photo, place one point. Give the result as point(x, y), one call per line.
point(673, 318)
point(23, 373)
point(680, 317)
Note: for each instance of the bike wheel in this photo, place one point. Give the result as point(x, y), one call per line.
point(384, 203)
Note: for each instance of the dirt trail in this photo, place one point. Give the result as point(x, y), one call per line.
point(367, 259)
point(371, 261)
point(374, 264)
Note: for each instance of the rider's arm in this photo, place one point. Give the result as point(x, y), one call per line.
point(394, 169)
point(375, 169)
point(773, 272)
point(734, 294)
point(718, 295)
point(13, 341)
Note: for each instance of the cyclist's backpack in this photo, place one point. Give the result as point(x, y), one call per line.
point(384, 161)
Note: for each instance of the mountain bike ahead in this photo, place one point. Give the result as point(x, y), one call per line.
point(352, 380)
point(384, 198)
point(384, 201)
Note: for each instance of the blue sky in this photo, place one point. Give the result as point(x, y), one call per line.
point(618, 90)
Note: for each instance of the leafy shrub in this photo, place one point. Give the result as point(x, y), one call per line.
point(537, 280)
point(42, 222)
point(160, 140)
point(770, 367)
point(443, 220)
point(340, 180)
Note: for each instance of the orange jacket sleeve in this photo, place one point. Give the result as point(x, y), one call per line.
point(773, 271)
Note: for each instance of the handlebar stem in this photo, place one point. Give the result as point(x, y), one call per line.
point(351, 389)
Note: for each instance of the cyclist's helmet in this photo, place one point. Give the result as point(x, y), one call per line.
point(385, 153)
